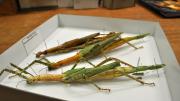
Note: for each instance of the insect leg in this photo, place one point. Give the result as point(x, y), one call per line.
point(20, 69)
point(115, 59)
point(138, 74)
point(35, 61)
point(103, 62)
point(101, 89)
point(45, 59)
point(138, 80)
point(134, 45)
point(13, 72)
point(74, 65)
point(104, 55)
point(88, 62)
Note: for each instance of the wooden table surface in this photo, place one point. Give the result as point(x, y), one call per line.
point(14, 27)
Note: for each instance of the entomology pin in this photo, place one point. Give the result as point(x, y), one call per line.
point(156, 69)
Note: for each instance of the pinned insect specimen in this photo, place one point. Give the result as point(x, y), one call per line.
point(90, 51)
point(74, 44)
point(101, 71)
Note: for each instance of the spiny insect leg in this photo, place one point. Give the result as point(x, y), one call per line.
point(74, 66)
point(89, 62)
point(13, 72)
point(33, 62)
point(100, 88)
point(115, 59)
point(138, 80)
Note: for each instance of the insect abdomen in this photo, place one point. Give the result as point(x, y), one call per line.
point(86, 73)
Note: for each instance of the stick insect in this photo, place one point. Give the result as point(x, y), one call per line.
point(90, 51)
point(74, 44)
point(102, 71)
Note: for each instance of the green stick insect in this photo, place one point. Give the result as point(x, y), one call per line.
point(90, 51)
point(74, 44)
point(102, 71)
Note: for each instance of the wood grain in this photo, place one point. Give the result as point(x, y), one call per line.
point(14, 27)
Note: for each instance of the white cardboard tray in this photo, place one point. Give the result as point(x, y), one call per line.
point(61, 28)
